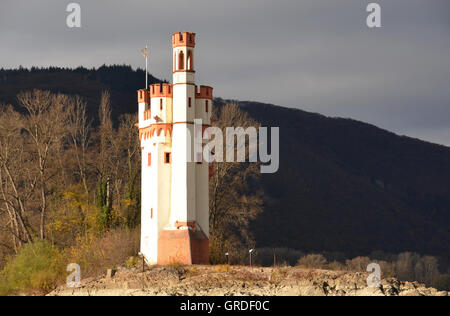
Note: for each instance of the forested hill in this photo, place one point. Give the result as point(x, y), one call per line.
point(351, 187)
point(343, 185)
point(121, 81)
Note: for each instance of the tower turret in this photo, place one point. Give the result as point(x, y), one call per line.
point(183, 44)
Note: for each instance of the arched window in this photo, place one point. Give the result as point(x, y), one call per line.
point(181, 61)
point(190, 61)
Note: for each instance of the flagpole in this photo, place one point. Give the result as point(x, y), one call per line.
point(146, 69)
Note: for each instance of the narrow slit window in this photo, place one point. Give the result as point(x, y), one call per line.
point(207, 106)
point(161, 104)
point(167, 158)
point(149, 159)
point(190, 102)
point(174, 61)
point(151, 213)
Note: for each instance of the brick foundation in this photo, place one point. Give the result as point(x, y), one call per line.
point(183, 246)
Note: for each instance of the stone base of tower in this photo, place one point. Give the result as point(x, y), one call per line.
point(183, 246)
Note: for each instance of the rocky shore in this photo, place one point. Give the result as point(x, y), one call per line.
point(240, 281)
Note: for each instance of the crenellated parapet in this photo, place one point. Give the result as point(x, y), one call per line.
point(204, 92)
point(182, 39)
point(143, 96)
point(161, 90)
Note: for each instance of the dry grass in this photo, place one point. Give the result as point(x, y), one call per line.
point(192, 271)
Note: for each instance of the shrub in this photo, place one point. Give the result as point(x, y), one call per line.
point(223, 268)
point(277, 276)
point(358, 264)
point(192, 271)
point(38, 267)
point(387, 269)
point(132, 262)
point(336, 266)
point(238, 254)
point(313, 261)
point(442, 282)
point(177, 265)
point(95, 254)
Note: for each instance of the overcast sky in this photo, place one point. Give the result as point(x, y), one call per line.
point(315, 55)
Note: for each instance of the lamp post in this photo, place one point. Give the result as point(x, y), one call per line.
point(251, 253)
point(143, 261)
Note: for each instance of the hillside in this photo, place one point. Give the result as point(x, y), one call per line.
point(351, 187)
point(344, 187)
point(121, 81)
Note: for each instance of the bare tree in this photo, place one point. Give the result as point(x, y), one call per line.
point(105, 159)
point(426, 270)
point(105, 134)
point(405, 264)
point(79, 130)
point(45, 123)
point(16, 183)
point(234, 203)
point(129, 151)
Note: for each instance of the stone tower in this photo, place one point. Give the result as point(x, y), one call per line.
point(175, 194)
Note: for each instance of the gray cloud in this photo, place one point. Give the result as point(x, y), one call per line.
point(317, 55)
